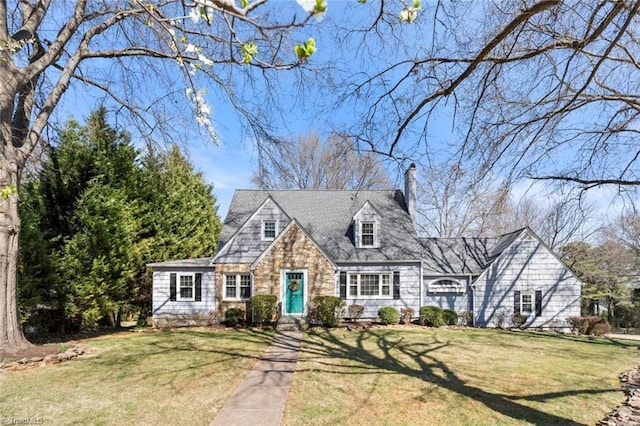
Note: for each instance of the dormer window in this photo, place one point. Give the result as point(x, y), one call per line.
point(367, 234)
point(366, 227)
point(269, 230)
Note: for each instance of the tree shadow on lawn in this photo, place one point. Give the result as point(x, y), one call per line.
point(431, 370)
point(142, 348)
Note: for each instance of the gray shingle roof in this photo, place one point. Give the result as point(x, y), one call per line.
point(464, 255)
point(327, 216)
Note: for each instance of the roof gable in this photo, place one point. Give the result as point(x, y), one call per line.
point(245, 243)
point(293, 223)
point(327, 216)
point(474, 256)
point(367, 211)
point(470, 255)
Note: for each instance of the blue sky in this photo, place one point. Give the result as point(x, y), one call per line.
point(229, 165)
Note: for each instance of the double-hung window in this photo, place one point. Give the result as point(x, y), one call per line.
point(526, 303)
point(185, 287)
point(237, 287)
point(185, 290)
point(370, 285)
point(367, 234)
point(269, 230)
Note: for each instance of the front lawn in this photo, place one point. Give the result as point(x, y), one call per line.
point(394, 376)
point(408, 376)
point(172, 377)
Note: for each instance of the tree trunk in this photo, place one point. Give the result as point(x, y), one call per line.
point(11, 335)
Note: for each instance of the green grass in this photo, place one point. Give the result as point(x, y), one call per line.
point(400, 376)
point(179, 377)
point(384, 376)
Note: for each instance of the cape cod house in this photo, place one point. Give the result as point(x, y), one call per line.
point(361, 245)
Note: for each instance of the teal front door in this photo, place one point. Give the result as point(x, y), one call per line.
point(294, 282)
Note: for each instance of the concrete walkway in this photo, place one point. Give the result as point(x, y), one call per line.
point(623, 336)
point(262, 395)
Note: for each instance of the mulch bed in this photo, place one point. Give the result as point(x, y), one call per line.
point(29, 352)
point(38, 356)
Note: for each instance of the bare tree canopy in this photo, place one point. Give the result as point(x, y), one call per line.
point(451, 203)
point(454, 203)
point(625, 229)
point(542, 89)
point(145, 57)
point(311, 163)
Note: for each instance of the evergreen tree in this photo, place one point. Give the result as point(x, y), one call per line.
point(186, 216)
point(101, 259)
point(96, 216)
point(605, 270)
point(180, 216)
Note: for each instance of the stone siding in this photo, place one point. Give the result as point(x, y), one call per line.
point(294, 250)
point(221, 270)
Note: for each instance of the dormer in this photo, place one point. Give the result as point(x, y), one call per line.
point(366, 227)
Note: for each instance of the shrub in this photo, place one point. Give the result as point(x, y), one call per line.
point(466, 318)
point(518, 320)
point(263, 307)
point(600, 329)
point(586, 325)
point(500, 318)
point(327, 310)
point(355, 312)
point(406, 314)
point(450, 317)
point(577, 325)
point(234, 315)
point(389, 315)
point(431, 316)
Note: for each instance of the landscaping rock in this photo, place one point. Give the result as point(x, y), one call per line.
point(38, 361)
point(628, 414)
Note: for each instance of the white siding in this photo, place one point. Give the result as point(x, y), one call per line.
point(459, 302)
point(165, 308)
point(409, 288)
point(527, 266)
point(247, 244)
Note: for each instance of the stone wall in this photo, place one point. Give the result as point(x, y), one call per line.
point(629, 412)
point(222, 269)
point(294, 250)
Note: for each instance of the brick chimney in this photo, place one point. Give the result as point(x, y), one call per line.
point(410, 189)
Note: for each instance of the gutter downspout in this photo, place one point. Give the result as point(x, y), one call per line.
point(472, 286)
point(421, 286)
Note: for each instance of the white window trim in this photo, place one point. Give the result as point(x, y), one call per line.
point(237, 285)
point(532, 295)
point(380, 295)
point(374, 233)
point(458, 287)
point(179, 298)
point(262, 230)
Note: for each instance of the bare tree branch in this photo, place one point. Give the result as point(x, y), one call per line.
point(446, 91)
